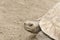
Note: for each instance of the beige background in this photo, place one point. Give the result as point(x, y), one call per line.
point(14, 12)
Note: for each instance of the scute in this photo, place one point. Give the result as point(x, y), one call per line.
point(50, 22)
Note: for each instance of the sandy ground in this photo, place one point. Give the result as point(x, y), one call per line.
point(13, 13)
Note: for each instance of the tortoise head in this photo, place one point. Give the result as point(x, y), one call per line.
point(32, 26)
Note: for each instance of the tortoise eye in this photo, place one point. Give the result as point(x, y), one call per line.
point(30, 24)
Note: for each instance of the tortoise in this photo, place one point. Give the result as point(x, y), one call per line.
point(48, 23)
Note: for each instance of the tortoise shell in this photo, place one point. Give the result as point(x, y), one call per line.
point(50, 22)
